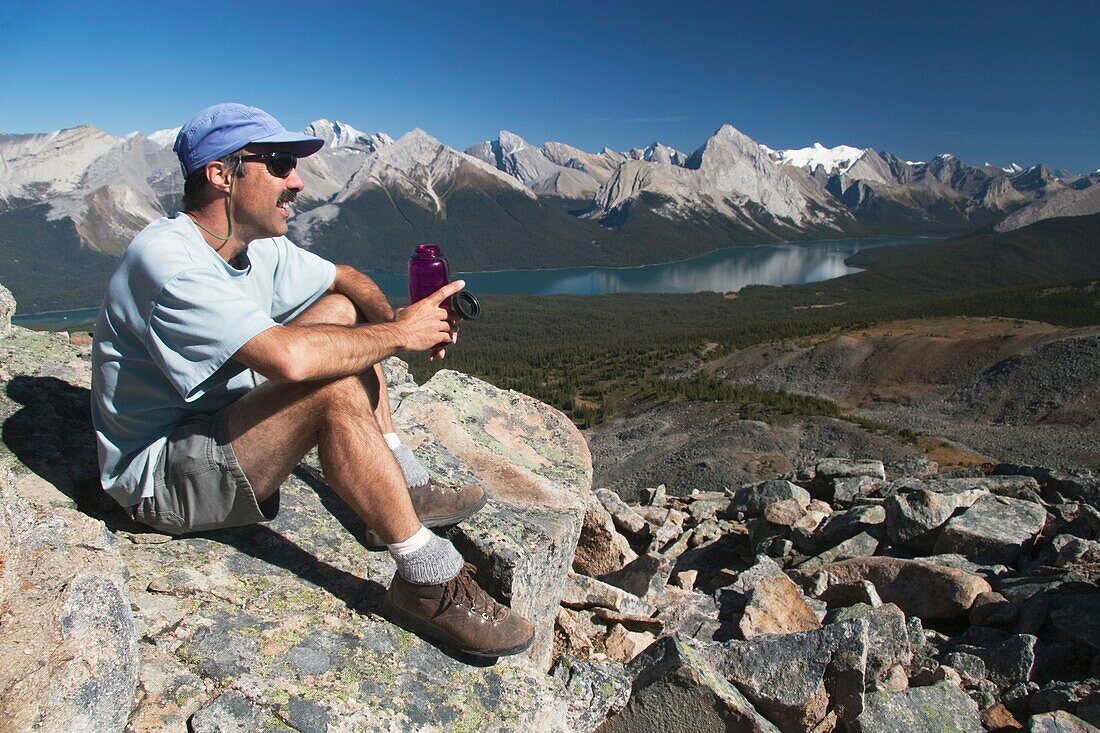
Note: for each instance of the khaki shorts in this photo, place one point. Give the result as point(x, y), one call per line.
point(199, 484)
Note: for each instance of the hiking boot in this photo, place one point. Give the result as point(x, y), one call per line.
point(458, 615)
point(438, 505)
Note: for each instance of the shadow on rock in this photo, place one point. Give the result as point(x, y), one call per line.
point(266, 545)
point(52, 435)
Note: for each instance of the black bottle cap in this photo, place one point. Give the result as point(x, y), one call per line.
point(466, 305)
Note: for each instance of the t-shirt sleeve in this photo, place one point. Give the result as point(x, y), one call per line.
point(197, 323)
point(300, 278)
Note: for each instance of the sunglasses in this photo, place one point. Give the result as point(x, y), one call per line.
point(278, 164)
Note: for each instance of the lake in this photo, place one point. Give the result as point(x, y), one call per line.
point(722, 271)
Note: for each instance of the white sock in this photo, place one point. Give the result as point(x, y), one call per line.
point(418, 539)
point(411, 467)
point(426, 558)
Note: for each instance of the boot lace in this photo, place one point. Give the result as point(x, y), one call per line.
point(465, 594)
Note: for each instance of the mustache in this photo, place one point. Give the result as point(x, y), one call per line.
point(287, 197)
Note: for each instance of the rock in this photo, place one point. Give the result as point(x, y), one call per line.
point(920, 589)
point(685, 579)
point(862, 545)
point(998, 718)
point(594, 691)
point(1012, 661)
point(845, 490)
point(753, 500)
point(578, 632)
point(1074, 483)
point(68, 646)
point(631, 622)
point(994, 528)
point(1078, 616)
point(775, 606)
point(625, 518)
point(934, 709)
point(600, 549)
point(989, 571)
point(834, 468)
point(646, 577)
point(915, 465)
point(971, 668)
point(840, 595)
point(844, 525)
point(1059, 722)
point(229, 711)
point(763, 600)
point(536, 470)
point(623, 645)
point(705, 533)
point(7, 309)
point(675, 688)
point(992, 609)
point(795, 678)
point(584, 592)
point(657, 496)
point(668, 529)
point(399, 382)
point(1074, 550)
point(707, 509)
point(784, 513)
point(913, 518)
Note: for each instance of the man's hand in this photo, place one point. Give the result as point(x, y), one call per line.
point(425, 324)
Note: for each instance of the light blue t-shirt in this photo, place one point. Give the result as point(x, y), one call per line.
point(174, 314)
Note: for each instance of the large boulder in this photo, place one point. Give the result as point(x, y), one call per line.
point(935, 709)
point(912, 519)
point(68, 649)
point(994, 529)
point(800, 680)
point(919, 588)
point(753, 500)
point(537, 472)
point(676, 688)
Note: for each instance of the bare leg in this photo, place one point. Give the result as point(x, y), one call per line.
point(338, 309)
point(273, 427)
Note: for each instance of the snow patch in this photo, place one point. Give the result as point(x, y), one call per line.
point(835, 160)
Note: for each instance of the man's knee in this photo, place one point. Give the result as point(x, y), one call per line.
point(332, 308)
point(351, 394)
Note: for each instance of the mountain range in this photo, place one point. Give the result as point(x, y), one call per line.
point(72, 199)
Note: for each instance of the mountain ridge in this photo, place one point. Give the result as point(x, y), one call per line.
point(506, 203)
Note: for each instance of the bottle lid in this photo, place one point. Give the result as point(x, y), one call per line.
point(427, 250)
point(466, 304)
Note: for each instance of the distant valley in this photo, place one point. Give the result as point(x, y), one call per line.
point(71, 200)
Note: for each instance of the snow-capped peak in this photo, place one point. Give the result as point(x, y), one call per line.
point(1013, 168)
point(834, 160)
point(164, 138)
point(342, 135)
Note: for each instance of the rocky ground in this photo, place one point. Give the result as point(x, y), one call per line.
point(848, 595)
point(851, 596)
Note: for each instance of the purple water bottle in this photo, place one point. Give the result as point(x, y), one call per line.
point(427, 272)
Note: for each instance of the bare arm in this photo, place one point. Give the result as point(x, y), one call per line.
point(363, 292)
point(323, 351)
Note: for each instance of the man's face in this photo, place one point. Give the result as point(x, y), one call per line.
point(260, 199)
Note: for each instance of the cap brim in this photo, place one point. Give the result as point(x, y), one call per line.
point(301, 145)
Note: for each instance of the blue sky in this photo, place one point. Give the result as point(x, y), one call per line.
point(999, 81)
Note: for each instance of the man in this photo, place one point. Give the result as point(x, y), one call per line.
point(203, 301)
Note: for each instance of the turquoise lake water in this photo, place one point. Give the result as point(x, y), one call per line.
point(721, 271)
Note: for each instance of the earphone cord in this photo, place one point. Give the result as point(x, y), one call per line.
point(228, 216)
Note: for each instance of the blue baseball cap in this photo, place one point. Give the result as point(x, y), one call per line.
point(219, 130)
